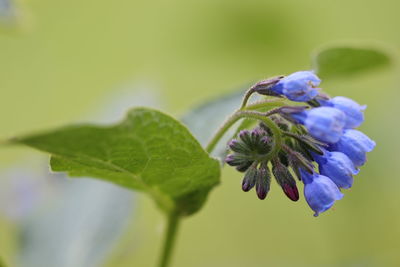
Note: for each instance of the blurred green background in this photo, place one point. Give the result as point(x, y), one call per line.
point(67, 61)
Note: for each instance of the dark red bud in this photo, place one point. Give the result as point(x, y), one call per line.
point(291, 191)
point(261, 193)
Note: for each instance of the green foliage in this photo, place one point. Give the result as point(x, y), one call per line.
point(148, 151)
point(346, 61)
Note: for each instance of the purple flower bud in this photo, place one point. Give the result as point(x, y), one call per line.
point(266, 140)
point(238, 146)
point(263, 181)
point(319, 191)
point(264, 87)
point(353, 110)
point(323, 123)
point(300, 86)
point(232, 160)
point(245, 136)
point(355, 145)
point(250, 178)
point(285, 179)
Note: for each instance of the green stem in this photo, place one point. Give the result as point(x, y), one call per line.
point(247, 97)
point(247, 114)
point(169, 239)
point(221, 131)
point(243, 114)
point(268, 103)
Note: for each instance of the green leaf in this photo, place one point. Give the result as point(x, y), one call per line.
point(336, 62)
point(148, 151)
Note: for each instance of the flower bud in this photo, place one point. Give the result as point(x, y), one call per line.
point(250, 178)
point(238, 146)
point(263, 181)
point(233, 160)
point(285, 179)
point(253, 143)
point(291, 192)
point(299, 86)
point(245, 136)
point(264, 87)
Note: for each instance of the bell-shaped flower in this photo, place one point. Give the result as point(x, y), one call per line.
point(319, 191)
point(337, 166)
point(354, 111)
point(325, 124)
point(300, 86)
point(355, 145)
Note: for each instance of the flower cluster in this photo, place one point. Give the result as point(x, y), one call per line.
point(320, 134)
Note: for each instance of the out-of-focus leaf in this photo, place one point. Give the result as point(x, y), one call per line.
point(79, 228)
point(204, 120)
point(344, 61)
point(148, 151)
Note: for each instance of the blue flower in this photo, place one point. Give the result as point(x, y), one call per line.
point(319, 191)
point(354, 144)
point(337, 166)
point(353, 110)
point(299, 86)
point(323, 123)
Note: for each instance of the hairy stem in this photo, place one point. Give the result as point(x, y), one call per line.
point(265, 104)
point(169, 239)
point(247, 97)
point(252, 115)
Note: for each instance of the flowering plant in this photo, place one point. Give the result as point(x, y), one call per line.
point(299, 137)
point(294, 130)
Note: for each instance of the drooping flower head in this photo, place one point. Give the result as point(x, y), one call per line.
point(321, 133)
